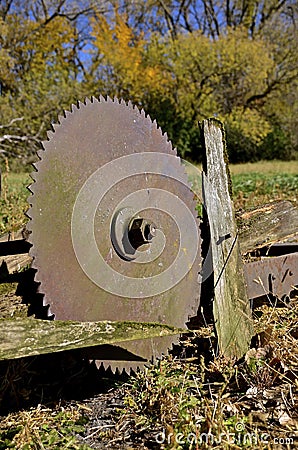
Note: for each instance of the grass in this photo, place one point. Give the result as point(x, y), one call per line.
point(258, 183)
point(253, 184)
point(178, 404)
point(43, 428)
point(223, 405)
point(253, 189)
point(13, 201)
point(266, 167)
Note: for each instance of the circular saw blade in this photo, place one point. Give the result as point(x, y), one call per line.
point(106, 163)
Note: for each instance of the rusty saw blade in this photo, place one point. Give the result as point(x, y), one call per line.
point(114, 230)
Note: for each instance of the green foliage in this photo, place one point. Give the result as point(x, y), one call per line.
point(277, 145)
point(257, 188)
point(180, 61)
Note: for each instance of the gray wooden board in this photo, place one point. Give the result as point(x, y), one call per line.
point(14, 263)
point(29, 336)
point(268, 224)
point(231, 310)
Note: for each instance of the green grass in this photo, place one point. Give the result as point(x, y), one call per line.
point(266, 167)
point(253, 188)
point(13, 201)
point(253, 184)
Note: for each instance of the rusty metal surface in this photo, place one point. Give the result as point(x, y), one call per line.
point(272, 275)
point(103, 158)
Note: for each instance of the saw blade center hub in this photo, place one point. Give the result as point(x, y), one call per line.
point(132, 235)
point(140, 232)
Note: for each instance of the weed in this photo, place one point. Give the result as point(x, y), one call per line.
point(42, 428)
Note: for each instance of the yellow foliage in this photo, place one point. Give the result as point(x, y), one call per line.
point(249, 122)
point(50, 43)
point(222, 77)
point(7, 62)
point(127, 57)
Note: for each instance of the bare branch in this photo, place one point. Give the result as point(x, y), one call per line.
point(12, 122)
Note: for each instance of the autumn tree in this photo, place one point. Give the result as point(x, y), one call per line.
point(247, 65)
point(41, 71)
point(182, 61)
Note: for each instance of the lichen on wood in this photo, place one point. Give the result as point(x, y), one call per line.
point(29, 337)
point(231, 306)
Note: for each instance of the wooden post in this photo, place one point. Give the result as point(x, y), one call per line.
point(231, 310)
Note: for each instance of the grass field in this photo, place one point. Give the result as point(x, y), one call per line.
point(13, 201)
point(253, 184)
point(258, 183)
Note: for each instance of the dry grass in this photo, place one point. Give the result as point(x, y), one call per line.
point(42, 428)
point(180, 404)
point(266, 167)
point(250, 404)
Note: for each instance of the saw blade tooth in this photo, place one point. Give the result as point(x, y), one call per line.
point(130, 104)
point(109, 100)
point(49, 312)
point(101, 98)
point(73, 108)
point(80, 104)
point(67, 113)
point(155, 123)
point(29, 211)
point(55, 126)
point(41, 151)
point(34, 165)
point(61, 118)
point(50, 135)
point(31, 189)
point(87, 101)
point(33, 178)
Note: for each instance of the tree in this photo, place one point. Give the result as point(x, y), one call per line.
point(229, 59)
point(40, 72)
point(180, 60)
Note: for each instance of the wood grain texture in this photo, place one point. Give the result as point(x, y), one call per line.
point(268, 224)
point(231, 310)
point(29, 337)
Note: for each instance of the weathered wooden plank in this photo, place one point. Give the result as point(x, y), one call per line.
point(14, 255)
point(268, 224)
point(231, 306)
point(14, 263)
point(29, 337)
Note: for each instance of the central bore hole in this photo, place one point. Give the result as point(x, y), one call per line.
point(140, 232)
